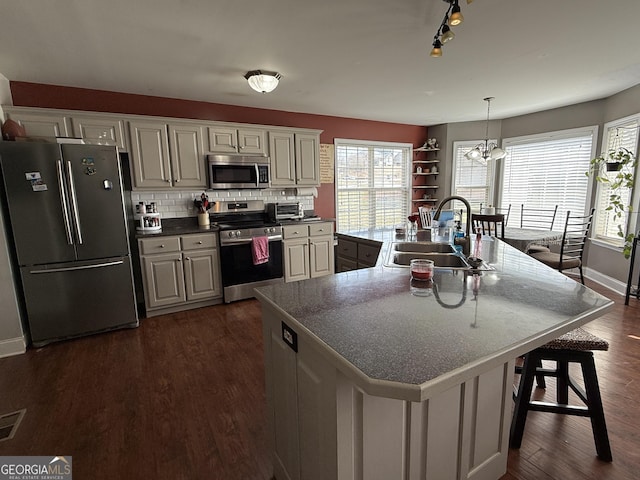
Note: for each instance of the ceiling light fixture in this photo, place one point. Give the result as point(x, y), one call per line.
point(444, 34)
point(263, 81)
point(485, 151)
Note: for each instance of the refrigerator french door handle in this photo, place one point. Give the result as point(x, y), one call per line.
point(74, 203)
point(83, 267)
point(65, 203)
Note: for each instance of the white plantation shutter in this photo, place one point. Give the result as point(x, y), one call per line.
point(542, 171)
point(616, 134)
point(372, 184)
point(471, 179)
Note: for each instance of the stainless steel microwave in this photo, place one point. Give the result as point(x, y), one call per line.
point(238, 171)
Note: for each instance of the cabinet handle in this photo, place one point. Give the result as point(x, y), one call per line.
point(367, 255)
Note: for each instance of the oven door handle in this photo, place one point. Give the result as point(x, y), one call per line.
point(241, 241)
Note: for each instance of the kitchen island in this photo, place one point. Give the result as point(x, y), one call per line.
point(367, 381)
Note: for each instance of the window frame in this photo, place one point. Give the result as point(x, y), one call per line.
point(509, 142)
point(372, 144)
point(632, 223)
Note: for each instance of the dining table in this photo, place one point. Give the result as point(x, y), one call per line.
point(523, 238)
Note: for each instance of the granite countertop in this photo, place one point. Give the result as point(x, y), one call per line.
point(374, 330)
point(178, 226)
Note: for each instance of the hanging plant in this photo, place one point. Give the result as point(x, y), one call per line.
point(623, 161)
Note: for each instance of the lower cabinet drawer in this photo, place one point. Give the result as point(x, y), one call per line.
point(159, 245)
point(347, 248)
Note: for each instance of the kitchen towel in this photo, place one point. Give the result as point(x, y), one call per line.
point(260, 250)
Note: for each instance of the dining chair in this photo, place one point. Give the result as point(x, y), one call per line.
point(574, 237)
point(492, 225)
point(537, 218)
point(505, 211)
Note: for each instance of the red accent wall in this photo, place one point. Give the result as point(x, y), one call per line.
point(54, 96)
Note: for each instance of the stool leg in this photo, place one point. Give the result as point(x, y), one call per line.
point(562, 393)
point(522, 399)
point(598, 424)
point(540, 381)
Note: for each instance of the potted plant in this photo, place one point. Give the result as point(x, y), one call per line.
point(623, 161)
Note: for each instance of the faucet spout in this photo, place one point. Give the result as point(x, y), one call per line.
point(436, 215)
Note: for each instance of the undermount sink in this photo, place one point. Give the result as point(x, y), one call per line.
point(444, 256)
point(424, 247)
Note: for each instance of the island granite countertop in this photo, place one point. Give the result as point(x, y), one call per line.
point(368, 324)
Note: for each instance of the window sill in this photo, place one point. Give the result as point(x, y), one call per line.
point(607, 245)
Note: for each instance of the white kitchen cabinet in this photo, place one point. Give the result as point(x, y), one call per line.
point(302, 413)
point(180, 272)
point(308, 251)
point(294, 159)
point(167, 155)
point(228, 139)
point(100, 130)
point(41, 123)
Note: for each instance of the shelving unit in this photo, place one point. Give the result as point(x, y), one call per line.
point(424, 178)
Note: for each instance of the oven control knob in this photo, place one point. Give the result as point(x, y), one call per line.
point(269, 230)
point(238, 233)
point(232, 234)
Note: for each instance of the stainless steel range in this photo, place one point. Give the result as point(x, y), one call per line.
point(240, 223)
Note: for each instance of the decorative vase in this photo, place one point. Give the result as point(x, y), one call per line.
point(203, 219)
point(12, 129)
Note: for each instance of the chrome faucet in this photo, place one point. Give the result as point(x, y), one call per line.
point(466, 241)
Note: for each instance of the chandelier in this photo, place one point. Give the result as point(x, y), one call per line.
point(444, 34)
point(485, 151)
point(263, 81)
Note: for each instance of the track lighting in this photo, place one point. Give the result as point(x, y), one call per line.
point(444, 34)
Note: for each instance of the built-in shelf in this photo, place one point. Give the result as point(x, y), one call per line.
point(426, 173)
point(419, 187)
point(421, 200)
point(422, 149)
point(427, 161)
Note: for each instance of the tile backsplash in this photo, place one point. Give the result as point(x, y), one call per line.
point(179, 203)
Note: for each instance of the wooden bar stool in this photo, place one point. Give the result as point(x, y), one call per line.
point(574, 347)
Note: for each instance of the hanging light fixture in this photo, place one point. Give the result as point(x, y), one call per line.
point(485, 151)
point(444, 34)
point(263, 81)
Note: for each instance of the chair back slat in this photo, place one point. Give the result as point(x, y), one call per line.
point(576, 232)
point(537, 218)
point(492, 225)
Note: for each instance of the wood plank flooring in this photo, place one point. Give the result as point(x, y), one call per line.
point(182, 397)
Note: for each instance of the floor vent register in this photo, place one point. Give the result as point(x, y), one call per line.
point(9, 424)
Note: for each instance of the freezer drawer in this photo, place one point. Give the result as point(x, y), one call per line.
point(78, 298)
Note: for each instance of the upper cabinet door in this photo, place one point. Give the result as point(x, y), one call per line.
point(100, 130)
point(43, 125)
point(307, 159)
point(187, 156)
point(252, 141)
point(223, 139)
point(282, 157)
point(150, 155)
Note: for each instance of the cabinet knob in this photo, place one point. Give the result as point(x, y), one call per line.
point(177, 181)
point(168, 180)
point(321, 230)
point(187, 258)
point(162, 246)
point(199, 242)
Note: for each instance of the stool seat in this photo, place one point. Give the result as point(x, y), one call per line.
point(573, 347)
point(577, 339)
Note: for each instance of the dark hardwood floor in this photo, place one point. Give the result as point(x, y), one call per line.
point(182, 397)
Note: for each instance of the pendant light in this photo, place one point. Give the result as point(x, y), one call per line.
point(263, 81)
point(485, 151)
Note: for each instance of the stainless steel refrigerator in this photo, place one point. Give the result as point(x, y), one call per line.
point(66, 215)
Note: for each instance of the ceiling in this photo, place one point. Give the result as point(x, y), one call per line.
point(366, 59)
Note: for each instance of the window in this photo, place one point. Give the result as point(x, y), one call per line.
point(542, 171)
point(471, 179)
point(621, 133)
point(373, 184)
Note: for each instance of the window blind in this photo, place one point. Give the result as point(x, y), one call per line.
point(606, 226)
point(471, 179)
point(547, 170)
point(372, 184)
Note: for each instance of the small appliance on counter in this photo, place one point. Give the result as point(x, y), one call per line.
point(285, 211)
point(147, 218)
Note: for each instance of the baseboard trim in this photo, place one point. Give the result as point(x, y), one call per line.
point(611, 283)
point(12, 346)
